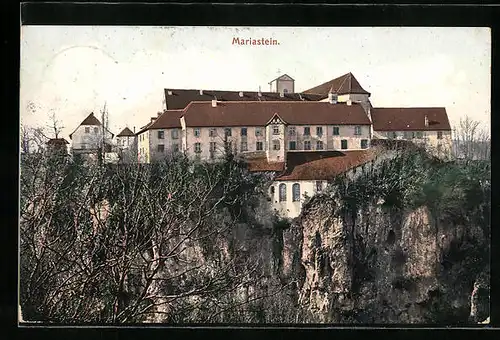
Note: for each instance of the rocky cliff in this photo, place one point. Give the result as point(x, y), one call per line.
point(383, 264)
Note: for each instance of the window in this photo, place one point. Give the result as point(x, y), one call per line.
point(196, 132)
point(336, 131)
point(276, 130)
point(272, 190)
point(276, 144)
point(319, 145)
point(292, 145)
point(259, 146)
point(212, 132)
point(296, 192)
point(307, 145)
point(244, 146)
point(197, 147)
point(343, 144)
point(440, 135)
point(175, 134)
point(319, 131)
point(96, 130)
point(291, 131)
point(87, 129)
point(307, 131)
point(364, 143)
point(212, 146)
point(285, 90)
point(258, 131)
point(357, 130)
point(161, 148)
point(175, 147)
point(244, 131)
point(227, 132)
point(282, 192)
point(420, 134)
point(161, 134)
point(319, 185)
point(394, 135)
point(407, 135)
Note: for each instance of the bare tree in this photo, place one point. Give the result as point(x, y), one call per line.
point(137, 242)
point(55, 126)
point(471, 141)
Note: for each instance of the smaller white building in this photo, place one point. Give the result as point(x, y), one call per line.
point(91, 136)
point(307, 174)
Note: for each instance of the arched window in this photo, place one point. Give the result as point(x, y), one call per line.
point(296, 192)
point(282, 192)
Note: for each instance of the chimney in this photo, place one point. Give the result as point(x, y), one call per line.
point(259, 93)
point(134, 129)
point(153, 119)
point(201, 92)
point(349, 102)
point(159, 113)
point(241, 94)
point(214, 103)
point(426, 121)
point(169, 93)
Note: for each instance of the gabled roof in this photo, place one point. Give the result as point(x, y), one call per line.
point(324, 165)
point(180, 98)
point(345, 84)
point(91, 120)
point(169, 119)
point(286, 76)
point(202, 114)
point(126, 132)
point(409, 119)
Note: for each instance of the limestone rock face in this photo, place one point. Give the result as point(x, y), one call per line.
point(386, 265)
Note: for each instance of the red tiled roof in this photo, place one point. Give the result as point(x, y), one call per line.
point(91, 120)
point(409, 119)
point(201, 114)
point(180, 98)
point(324, 165)
point(169, 119)
point(342, 85)
point(262, 164)
point(126, 133)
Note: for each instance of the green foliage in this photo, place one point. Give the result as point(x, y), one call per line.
point(454, 191)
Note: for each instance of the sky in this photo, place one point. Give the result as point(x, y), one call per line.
point(71, 71)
